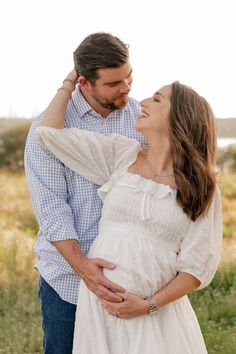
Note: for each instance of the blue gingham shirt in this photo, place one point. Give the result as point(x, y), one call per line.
point(65, 204)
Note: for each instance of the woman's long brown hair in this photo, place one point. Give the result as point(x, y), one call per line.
point(193, 137)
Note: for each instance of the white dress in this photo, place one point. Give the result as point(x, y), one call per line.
point(147, 235)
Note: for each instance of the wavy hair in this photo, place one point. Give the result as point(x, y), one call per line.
point(193, 135)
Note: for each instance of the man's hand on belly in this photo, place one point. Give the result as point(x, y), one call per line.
point(91, 271)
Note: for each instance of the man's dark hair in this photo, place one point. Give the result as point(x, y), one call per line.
point(99, 50)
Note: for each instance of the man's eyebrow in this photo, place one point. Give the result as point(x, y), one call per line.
point(117, 82)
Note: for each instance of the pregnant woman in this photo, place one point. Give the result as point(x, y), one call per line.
point(160, 224)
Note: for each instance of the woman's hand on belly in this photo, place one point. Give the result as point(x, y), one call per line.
point(132, 306)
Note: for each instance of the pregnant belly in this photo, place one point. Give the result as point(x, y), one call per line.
point(143, 266)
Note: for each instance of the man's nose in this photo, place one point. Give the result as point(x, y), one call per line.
point(126, 86)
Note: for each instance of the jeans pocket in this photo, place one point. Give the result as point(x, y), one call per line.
point(39, 286)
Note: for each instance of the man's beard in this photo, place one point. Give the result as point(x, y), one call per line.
point(110, 105)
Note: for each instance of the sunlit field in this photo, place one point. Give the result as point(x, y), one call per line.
point(20, 325)
point(20, 322)
point(20, 328)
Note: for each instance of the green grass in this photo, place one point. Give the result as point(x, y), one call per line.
point(20, 329)
point(20, 322)
point(20, 326)
point(228, 189)
point(215, 307)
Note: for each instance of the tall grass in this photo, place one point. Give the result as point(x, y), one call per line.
point(20, 328)
point(228, 189)
point(215, 307)
point(20, 323)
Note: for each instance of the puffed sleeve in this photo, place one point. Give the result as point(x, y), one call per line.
point(90, 154)
point(200, 250)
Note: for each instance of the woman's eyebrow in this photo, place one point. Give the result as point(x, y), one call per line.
point(158, 93)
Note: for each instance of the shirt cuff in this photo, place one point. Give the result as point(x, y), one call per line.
point(60, 232)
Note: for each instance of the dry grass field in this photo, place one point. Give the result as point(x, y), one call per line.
point(20, 323)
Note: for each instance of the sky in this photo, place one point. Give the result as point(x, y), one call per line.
point(192, 41)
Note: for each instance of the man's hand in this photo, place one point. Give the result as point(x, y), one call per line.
point(91, 271)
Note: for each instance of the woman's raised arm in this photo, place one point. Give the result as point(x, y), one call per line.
point(55, 113)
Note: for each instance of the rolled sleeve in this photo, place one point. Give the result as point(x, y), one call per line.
point(48, 190)
point(58, 231)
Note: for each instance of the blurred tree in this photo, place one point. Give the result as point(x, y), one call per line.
point(12, 143)
point(226, 159)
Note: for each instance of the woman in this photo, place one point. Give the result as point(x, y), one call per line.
point(160, 224)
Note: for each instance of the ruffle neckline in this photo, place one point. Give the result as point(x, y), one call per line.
point(145, 184)
point(137, 183)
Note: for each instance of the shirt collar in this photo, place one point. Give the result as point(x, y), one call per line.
point(80, 103)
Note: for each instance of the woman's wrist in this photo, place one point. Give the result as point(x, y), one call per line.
point(150, 306)
point(65, 90)
point(68, 79)
point(68, 86)
point(69, 83)
point(72, 77)
point(145, 307)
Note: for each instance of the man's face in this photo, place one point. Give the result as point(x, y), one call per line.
point(112, 87)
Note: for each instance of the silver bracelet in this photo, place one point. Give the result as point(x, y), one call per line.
point(153, 306)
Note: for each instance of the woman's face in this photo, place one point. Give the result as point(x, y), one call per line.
point(155, 112)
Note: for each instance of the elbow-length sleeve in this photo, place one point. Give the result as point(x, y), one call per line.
point(201, 247)
point(90, 154)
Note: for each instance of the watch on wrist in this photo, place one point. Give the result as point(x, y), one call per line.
point(153, 306)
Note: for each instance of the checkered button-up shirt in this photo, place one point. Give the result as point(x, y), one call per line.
point(65, 204)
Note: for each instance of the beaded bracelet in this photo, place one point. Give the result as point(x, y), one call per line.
point(71, 81)
point(65, 89)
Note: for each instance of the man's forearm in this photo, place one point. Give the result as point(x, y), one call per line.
point(71, 251)
point(90, 270)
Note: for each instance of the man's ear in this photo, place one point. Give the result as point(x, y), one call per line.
point(84, 83)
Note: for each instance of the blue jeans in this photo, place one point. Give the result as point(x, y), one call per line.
point(58, 320)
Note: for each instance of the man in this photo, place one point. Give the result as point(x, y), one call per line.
point(66, 205)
